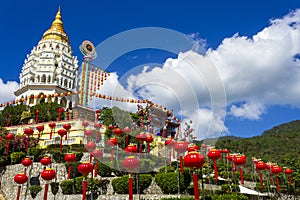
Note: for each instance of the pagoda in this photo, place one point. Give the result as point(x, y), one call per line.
point(49, 69)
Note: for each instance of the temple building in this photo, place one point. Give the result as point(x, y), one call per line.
point(50, 68)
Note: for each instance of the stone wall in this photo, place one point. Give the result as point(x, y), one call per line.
point(9, 187)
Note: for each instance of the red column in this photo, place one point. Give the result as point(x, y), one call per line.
point(130, 187)
point(46, 191)
point(196, 190)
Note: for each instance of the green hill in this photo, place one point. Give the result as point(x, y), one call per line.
point(280, 144)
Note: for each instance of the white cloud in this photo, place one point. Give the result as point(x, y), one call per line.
point(248, 110)
point(7, 90)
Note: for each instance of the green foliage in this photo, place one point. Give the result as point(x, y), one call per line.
point(78, 184)
point(48, 111)
point(178, 198)
point(74, 170)
point(78, 147)
point(67, 186)
point(168, 182)
point(15, 114)
point(54, 187)
point(227, 188)
point(104, 169)
point(120, 185)
point(16, 157)
point(229, 197)
point(34, 190)
point(57, 155)
point(36, 152)
point(166, 169)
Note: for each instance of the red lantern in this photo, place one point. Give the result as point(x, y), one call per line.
point(181, 148)
point(91, 146)
point(97, 114)
point(141, 137)
point(20, 178)
point(60, 111)
point(9, 137)
point(127, 130)
point(260, 165)
point(240, 160)
point(61, 132)
point(130, 164)
point(85, 168)
point(88, 133)
point(169, 142)
point(70, 158)
point(149, 139)
point(40, 129)
point(28, 132)
point(112, 142)
point(130, 149)
point(276, 170)
point(193, 147)
point(98, 154)
point(67, 127)
point(214, 155)
point(97, 126)
point(45, 161)
point(26, 162)
point(194, 160)
point(85, 124)
point(118, 132)
point(52, 126)
point(48, 174)
point(37, 112)
point(229, 157)
point(111, 127)
point(225, 151)
point(288, 172)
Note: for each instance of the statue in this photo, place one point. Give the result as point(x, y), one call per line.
point(26, 115)
point(144, 114)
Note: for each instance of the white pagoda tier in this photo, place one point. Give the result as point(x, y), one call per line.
point(50, 68)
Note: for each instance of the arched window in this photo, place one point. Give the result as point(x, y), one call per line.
point(70, 84)
point(38, 78)
point(31, 99)
point(63, 102)
point(49, 79)
point(66, 83)
point(43, 80)
point(55, 100)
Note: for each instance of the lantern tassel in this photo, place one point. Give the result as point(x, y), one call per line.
point(127, 140)
point(7, 148)
point(58, 119)
point(216, 170)
point(196, 190)
point(26, 144)
point(261, 181)
point(36, 119)
point(46, 191)
point(19, 192)
point(96, 169)
point(112, 154)
point(290, 180)
point(241, 175)
point(130, 187)
point(97, 136)
point(148, 148)
point(181, 165)
point(51, 134)
point(84, 185)
point(170, 157)
point(69, 171)
point(60, 145)
point(277, 183)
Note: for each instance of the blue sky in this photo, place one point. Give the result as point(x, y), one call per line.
point(24, 22)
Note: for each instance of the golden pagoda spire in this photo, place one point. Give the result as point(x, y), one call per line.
point(56, 31)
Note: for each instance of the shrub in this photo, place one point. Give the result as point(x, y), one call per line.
point(120, 185)
point(168, 182)
point(166, 169)
point(178, 198)
point(229, 197)
point(54, 187)
point(67, 186)
point(16, 157)
point(57, 155)
point(74, 171)
point(78, 156)
point(78, 184)
point(78, 147)
point(227, 188)
point(37, 154)
point(34, 190)
point(104, 169)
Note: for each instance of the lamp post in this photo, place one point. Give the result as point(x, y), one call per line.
point(131, 164)
point(20, 179)
point(85, 168)
point(70, 158)
point(194, 160)
point(48, 174)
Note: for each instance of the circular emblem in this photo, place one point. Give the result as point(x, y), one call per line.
point(88, 49)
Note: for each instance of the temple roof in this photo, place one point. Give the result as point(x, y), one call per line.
point(56, 31)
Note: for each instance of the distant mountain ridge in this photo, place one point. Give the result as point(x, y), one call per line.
point(279, 144)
